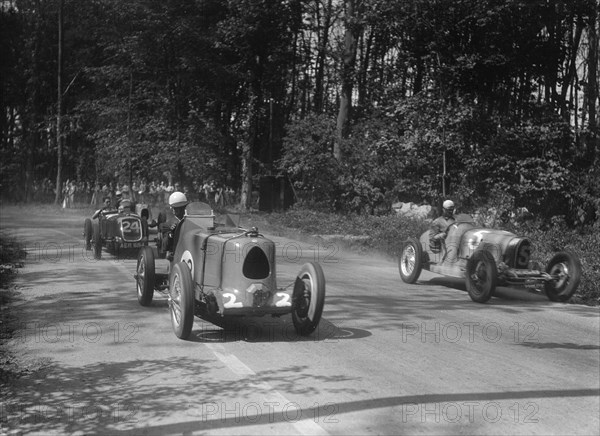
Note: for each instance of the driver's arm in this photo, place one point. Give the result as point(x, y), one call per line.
point(436, 231)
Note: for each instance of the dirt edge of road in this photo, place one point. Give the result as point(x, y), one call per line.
point(13, 365)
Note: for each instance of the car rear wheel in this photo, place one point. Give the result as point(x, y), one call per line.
point(481, 276)
point(410, 262)
point(308, 298)
point(565, 269)
point(97, 242)
point(145, 276)
point(181, 300)
point(87, 233)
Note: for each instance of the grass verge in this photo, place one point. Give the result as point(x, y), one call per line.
point(12, 255)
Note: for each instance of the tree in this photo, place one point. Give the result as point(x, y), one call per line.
point(59, 141)
point(351, 35)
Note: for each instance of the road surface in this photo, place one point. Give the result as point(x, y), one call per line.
point(387, 358)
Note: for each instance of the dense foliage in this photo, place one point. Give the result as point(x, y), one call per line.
point(359, 102)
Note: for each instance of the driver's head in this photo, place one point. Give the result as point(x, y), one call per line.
point(448, 208)
point(178, 201)
point(179, 212)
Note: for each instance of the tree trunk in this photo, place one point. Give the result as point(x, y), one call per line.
point(348, 62)
point(59, 107)
point(321, 57)
point(249, 145)
point(246, 192)
point(592, 88)
point(571, 68)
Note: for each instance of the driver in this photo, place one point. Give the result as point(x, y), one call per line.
point(439, 227)
point(105, 207)
point(177, 201)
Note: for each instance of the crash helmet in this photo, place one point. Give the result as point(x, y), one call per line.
point(118, 193)
point(448, 205)
point(178, 199)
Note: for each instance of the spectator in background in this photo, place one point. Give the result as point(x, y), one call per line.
point(65, 194)
point(96, 195)
point(208, 189)
point(142, 192)
point(197, 191)
point(168, 190)
point(152, 192)
point(229, 195)
point(219, 200)
point(134, 191)
point(125, 192)
point(71, 189)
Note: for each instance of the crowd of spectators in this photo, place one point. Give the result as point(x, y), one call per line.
point(79, 193)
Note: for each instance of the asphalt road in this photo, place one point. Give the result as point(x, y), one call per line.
point(388, 358)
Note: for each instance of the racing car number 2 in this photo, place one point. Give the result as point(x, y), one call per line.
point(231, 300)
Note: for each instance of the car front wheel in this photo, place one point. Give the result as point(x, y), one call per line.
point(481, 276)
point(308, 298)
point(97, 242)
point(87, 233)
point(410, 262)
point(181, 300)
point(565, 269)
point(145, 276)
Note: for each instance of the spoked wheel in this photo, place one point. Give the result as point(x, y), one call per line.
point(97, 242)
point(87, 233)
point(308, 298)
point(145, 276)
point(565, 269)
point(410, 262)
point(181, 300)
point(481, 276)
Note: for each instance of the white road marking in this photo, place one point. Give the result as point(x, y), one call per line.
point(280, 403)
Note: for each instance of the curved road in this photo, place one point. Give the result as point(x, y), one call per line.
point(388, 358)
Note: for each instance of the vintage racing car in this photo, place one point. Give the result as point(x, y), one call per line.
point(226, 271)
point(487, 258)
point(120, 231)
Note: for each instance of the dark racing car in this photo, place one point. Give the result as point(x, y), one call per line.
point(487, 258)
point(121, 231)
point(223, 270)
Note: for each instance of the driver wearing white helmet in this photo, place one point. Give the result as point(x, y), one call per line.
point(178, 201)
point(439, 227)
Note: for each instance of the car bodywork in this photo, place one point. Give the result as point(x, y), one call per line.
point(121, 232)
point(226, 271)
point(487, 258)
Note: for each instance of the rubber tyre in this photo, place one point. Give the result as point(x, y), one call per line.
point(567, 267)
point(97, 243)
point(181, 300)
point(308, 298)
point(145, 276)
point(145, 232)
point(481, 276)
point(87, 233)
point(410, 261)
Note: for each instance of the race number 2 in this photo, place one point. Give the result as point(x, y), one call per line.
point(231, 301)
point(284, 299)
